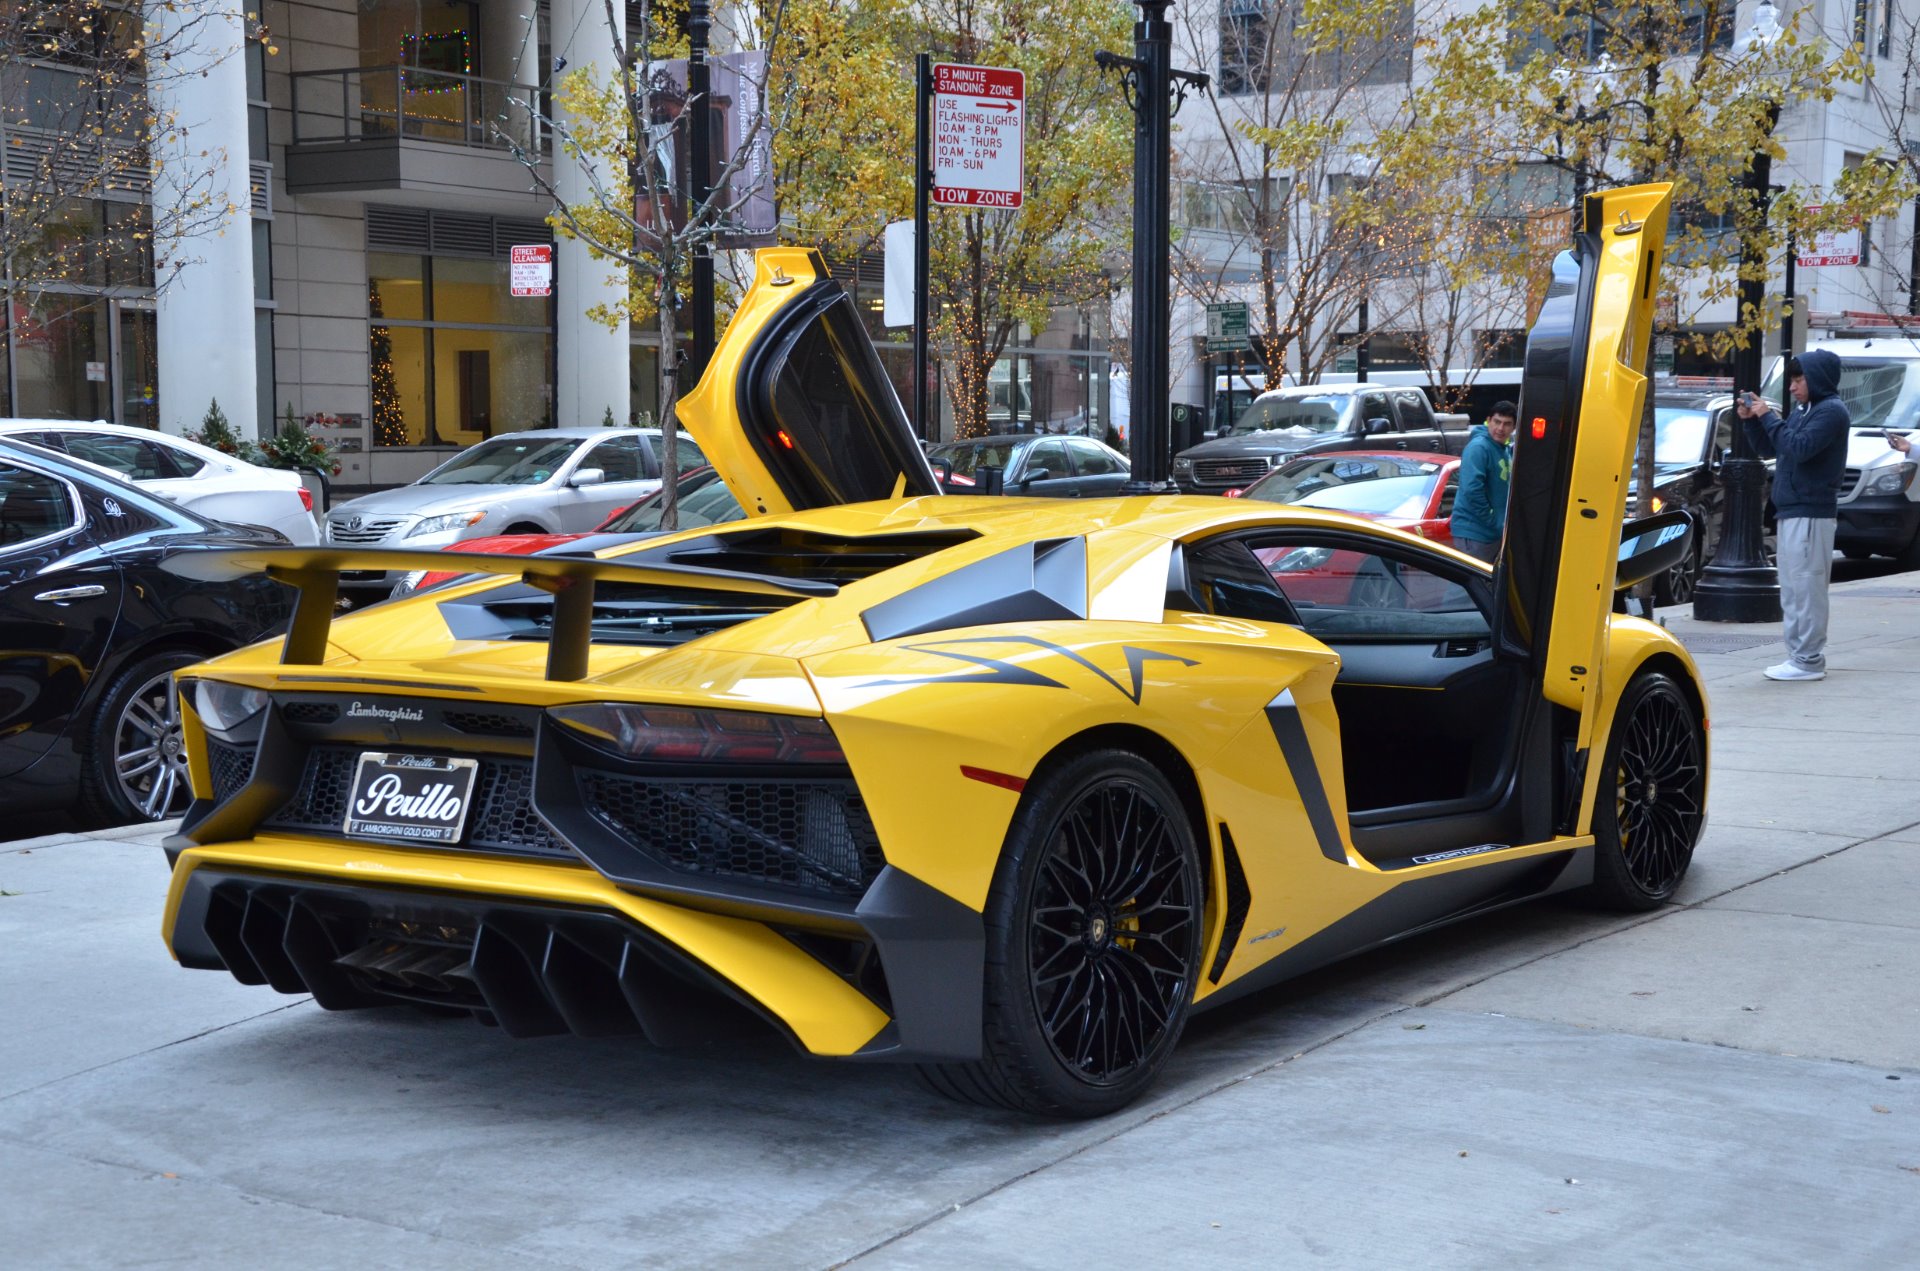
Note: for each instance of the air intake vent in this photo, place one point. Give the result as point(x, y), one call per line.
point(458, 235)
point(397, 229)
point(1239, 900)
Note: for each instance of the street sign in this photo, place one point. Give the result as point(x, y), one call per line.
point(979, 135)
point(1835, 247)
point(1227, 327)
point(530, 270)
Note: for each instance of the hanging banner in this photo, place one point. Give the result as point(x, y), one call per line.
point(739, 101)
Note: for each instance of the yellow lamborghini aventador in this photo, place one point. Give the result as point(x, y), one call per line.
point(1005, 788)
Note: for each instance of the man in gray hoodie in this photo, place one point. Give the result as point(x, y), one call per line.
point(1811, 449)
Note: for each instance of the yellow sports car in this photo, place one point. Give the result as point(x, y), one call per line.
point(1005, 788)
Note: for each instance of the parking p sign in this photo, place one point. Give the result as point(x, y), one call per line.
point(530, 270)
point(979, 135)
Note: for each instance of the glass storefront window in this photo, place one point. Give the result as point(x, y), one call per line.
point(62, 353)
point(459, 358)
point(139, 368)
point(477, 291)
point(399, 283)
point(488, 382)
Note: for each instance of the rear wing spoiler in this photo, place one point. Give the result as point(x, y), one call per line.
point(570, 580)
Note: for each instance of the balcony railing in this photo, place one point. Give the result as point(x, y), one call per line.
point(385, 103)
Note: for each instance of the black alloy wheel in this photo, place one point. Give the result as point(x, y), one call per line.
point(136, 767)
point(1676, 586)
point(1093, 940)
point(1652, 795)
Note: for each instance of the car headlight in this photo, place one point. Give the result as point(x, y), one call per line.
point(1183, 465)
point(677, 734)
point(448, 521)
point(224, 707)
point(1301, 559)
point(1893, 480)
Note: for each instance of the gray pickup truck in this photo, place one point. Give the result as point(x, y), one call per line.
point(1285, 422)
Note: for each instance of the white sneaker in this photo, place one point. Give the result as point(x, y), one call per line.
point(1788, 671)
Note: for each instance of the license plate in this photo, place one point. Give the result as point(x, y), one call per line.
point(415, 798)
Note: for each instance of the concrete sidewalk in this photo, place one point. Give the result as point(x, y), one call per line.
point(1731, 1081)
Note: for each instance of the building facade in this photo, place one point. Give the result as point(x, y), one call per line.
point(1483, 325)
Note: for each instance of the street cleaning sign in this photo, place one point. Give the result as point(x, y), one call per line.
point(1835, 247)
point(979, 136)
point(530, 270)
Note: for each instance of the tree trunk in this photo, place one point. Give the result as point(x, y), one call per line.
point(669, 397)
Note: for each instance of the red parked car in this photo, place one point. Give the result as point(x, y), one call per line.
point(704, 500)
point(1408, 489)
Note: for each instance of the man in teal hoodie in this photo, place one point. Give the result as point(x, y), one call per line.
point(1486, 469)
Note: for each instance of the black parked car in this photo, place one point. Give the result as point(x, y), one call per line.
point(1693, 432)
point(92, 630)
point(1041, 464)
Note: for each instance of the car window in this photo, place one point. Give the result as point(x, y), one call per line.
point(51, 440)
point(1299, 416)
point(1679, 436)
point(134, 458)
point(32, 505)
point(1226, 579)
point(708, 503)
point(967, 457)
point(527, 460)
point(1376, 406)
point(1091, 459)
point(1403, 497)
point(618, 457)
point(1051, 455)
point(1413, 411)
point(1303, 477)
point(185, 463)
point(687, 453)
point(1341, 589)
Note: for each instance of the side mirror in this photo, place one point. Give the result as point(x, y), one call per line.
point(1377, 424)
point(587, 476)
point(1652, 545)
point(992, 480)
point(1716, 459)
point(942, 469)
point(1036, 474)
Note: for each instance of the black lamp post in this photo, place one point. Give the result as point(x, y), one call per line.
point(1740, 585)
point(699, 186)
point(1151, 84)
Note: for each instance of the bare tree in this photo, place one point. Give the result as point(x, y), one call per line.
point(626, 134)
point(83, 142)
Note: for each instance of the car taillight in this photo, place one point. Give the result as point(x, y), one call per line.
point(435, 579)
point(678, 734)
point(306, 498)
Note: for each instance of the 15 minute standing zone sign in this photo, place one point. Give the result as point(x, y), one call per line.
point(979, 135)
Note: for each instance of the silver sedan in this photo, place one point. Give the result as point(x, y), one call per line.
point(542, 481)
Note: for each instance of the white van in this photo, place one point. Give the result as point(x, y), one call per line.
point(1879, 497)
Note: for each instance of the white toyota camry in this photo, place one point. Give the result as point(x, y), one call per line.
point(218, 487)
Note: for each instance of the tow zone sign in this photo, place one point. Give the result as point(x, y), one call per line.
point(979, 135)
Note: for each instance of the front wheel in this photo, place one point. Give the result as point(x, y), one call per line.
point(1653, 787)
point(136, 764)
point(1093, 943)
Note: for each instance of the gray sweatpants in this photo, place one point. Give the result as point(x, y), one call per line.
point(1805, 562)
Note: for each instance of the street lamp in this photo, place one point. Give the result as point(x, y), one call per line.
point(1740, 585)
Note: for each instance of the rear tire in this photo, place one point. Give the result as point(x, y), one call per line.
point(1652, 797)
point(1093, 943)
point(135, 768)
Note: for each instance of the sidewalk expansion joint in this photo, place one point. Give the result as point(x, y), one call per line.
point(142, 1054)
point(1082, 1149)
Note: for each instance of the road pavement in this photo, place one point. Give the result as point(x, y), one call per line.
point(1731, 1081)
